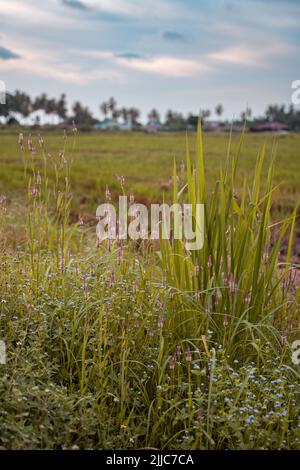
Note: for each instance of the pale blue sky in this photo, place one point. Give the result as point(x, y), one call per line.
point(180, 54)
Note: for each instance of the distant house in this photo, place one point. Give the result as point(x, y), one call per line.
point(107, 125)
point(270, 127)
point(128, 125)
point(213, 126)
point(114, 125)
point(153, 126)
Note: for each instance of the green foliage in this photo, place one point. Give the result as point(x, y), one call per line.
point(106, 350)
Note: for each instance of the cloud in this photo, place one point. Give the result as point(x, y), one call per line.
point(158, 65)
point(164, 65)
point(173, 36)
point(6, 54)
point(17, 14)
point(282, 15)
point(75, 4)
point(128, 55)
point(134, 8)
point(252, 55)
point(66, 73)
point(52, 65)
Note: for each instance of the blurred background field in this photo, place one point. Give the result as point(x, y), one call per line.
point(146, 163)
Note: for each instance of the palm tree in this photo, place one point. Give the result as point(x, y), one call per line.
point(61, 107)
point(40, 103)
point(111, 104)
point(219, 110)
point(124, 114)
point(22, 103)
point(154, 116)
point(104, 109)
point(82, 115)
point(205, 114)
point(115, 114)
point(169, 116)
point(134, 114)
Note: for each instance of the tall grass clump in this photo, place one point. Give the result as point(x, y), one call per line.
point(235, 283)
point(110, 347)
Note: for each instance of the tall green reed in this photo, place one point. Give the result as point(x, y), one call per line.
point(235, 283)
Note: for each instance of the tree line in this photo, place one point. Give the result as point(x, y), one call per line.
point(20, 103)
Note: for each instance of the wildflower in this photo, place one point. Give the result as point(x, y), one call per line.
point(76, 269)
point(182, 167)
point(38, 179)
point(283, 336)
point(21, 141)
point(62, 262)
point(209, 263)
point(135, 285)
point(197, 295)
point(80, 220)
point(207, 310)
point(65, 134)
point(178, 349)
point(107, 194)
point(232, 285)
point(92, 269)
point(247, 298)
point(160, 321)
point(85, 288)
point(121, 180)
point(41, 141)
point(30, 145)
point(74, 128)
point(62, 157)
point(112, 279)
point(159, 304)
point(131, 199)
point(197, 267)
point(34, 191)
point(250, 419)
point(225, 322)
point(173, 361)
point(30, 142)
point(188, 354)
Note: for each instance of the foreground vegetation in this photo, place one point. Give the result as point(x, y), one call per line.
point(135, 345)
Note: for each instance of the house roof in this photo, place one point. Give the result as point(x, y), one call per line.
point(270, 126)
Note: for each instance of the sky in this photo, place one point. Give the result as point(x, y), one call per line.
point(184, 55)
